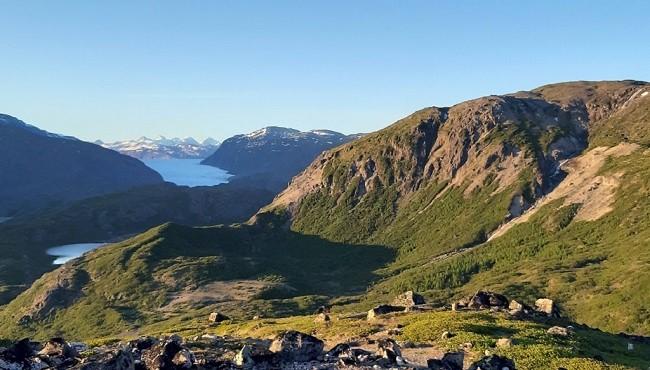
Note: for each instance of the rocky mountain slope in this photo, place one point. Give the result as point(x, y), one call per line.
point(163, 148)
point(533, 194)
point(439, 184)
point(274, 154)
point(40, 168)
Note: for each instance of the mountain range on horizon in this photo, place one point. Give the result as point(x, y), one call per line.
point(162, 147)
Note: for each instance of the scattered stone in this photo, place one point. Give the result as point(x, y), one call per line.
point(559, 331)
point(217, 317)
point(493, 362)
point(504, 342)
point(454, 306)
point(547, 306)
point(408, 299)
point(295, 346)
point(383, 310)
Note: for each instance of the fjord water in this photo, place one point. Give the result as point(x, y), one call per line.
point(65, 253)
point(188, 172)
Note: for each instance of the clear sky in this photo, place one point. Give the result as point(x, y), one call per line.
point(122, 69)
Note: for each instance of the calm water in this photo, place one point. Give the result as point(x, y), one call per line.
point(65, 253)
point(188, 172)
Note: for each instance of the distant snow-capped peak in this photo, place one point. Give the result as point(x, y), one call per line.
point(162, 147)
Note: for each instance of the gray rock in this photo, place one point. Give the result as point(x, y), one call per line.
point(408, 299)
point(295, 346)
point(493, 362)
point(383, 310)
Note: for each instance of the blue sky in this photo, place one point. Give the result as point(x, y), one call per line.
point(122, 69)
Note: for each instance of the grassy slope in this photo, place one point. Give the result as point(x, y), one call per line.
point(114, 216)
point(133, 280)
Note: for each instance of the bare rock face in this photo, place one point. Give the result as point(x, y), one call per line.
point(295, 346)
point(408, 299)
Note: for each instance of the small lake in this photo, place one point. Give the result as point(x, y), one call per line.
point(188, 172)
point(65, 253)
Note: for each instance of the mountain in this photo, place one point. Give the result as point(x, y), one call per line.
point(164, 148)
point(40, 168)
point(274, 154)
point(542, 193)
point(539, 193)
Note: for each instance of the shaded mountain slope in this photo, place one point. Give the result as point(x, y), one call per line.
point(40, 169)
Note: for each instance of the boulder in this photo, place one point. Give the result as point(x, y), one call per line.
point(504, 342)
point(111, 360)
point(486, 300)
point(450, 361)
point(58, 347)
point(162, 356)
point(547, 307)
point(408, 299)
point(217, 317)
point(383, 310)
point(389, 349)
point(296, 346)
point(337, 351)
point(493, 362)
point(559, 331)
